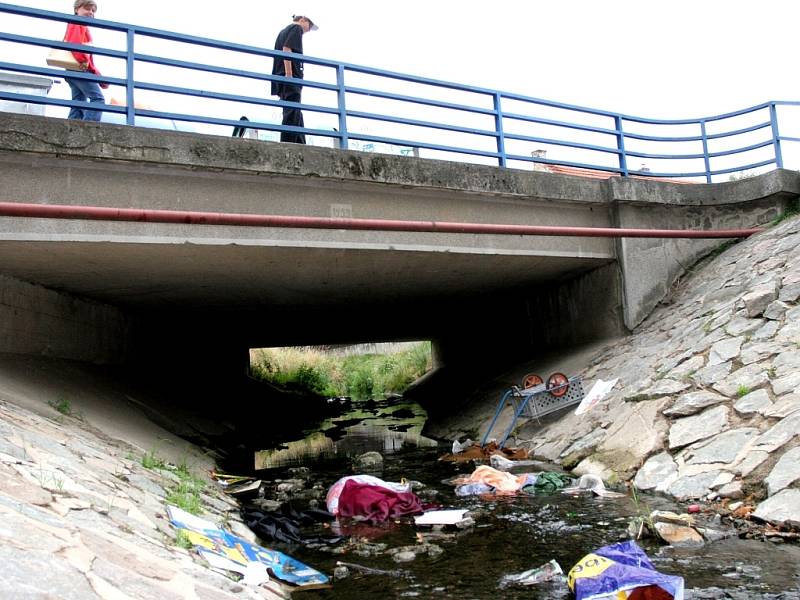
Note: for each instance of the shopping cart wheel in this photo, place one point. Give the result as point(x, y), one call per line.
point(557, 384)
point(530, 380)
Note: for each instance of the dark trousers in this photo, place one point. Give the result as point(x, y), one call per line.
point(292, 116)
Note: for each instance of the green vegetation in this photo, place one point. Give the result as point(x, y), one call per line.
point(186, 493)
point(182, 540)
point(793, 209)
point(742, 390)
point(360, 376)
point(62, 405)
point(151, 461)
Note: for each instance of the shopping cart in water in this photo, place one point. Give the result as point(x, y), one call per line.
point(536, 398)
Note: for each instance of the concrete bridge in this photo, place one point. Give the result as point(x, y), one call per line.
point(200, 295)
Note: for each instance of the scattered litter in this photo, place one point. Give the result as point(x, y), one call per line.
point(500, 462)
point(459, 447)
point(622, 571)
point(599, 391)
point(693, 508)
point(477, 452)
point(441, 518)
point(241, 490)
point(209, 539)
point(547, 572)
point(592, 483)
point(371, 570)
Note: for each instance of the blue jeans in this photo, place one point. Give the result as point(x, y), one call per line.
point(85, 90)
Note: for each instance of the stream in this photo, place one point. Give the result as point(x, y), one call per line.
point(510, 534)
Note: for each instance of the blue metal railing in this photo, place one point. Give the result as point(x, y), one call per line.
point(355, 105)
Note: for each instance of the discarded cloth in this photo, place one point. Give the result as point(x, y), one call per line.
point(622, 571)
point(332, 499)
point(375, 503)
point(285, 525)
point(548, 482)
point(499, 482)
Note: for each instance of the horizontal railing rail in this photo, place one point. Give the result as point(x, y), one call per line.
point(356, 107)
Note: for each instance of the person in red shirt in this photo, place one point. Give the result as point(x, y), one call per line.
point(81, 88)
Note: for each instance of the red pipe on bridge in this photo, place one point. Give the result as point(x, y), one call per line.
point(100, 213)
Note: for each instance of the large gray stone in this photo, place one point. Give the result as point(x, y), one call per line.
point(754, 402)
point(784, 406)
point(693, 402)
point(779, 434)
point(741, 325)
point(767, 331)
point(699, 427)
point(756, 352)
point(786, 384)
point(724, 350)
point(664, 387)
point(657, 473)
point(783, 508)
point(747, 378)
point(776, 310)
point(713, 374)
point(787, 362)
point(693, 486)
point(785, 472)
point(757, 300)
point(723, 448)
point(751, 462)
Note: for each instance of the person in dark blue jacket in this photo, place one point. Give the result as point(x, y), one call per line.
point(290, 39)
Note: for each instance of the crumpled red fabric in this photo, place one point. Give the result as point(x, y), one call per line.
point(376, 503)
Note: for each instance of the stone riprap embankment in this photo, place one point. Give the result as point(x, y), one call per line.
point(82, 519)
point(707, 403)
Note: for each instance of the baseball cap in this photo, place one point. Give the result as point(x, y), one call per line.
point(314, 26)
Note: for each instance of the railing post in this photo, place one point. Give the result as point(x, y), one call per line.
point(776, 136)
point(498, 129)
point(623, 159)
point(344, 142)
point(130, 118)
point(706, 160)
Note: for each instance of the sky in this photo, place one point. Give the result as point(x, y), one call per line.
point(648, 58)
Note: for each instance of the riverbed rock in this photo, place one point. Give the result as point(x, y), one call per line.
point(657, 473)
point(757, 300)
point(779, 434)
point(785, 472)
point(679, 535)
point(691, 429)
point(754, 402)
point(693, 486)
point(369, 462)
point(693, 402)
point(723, 448)
point(782, 509)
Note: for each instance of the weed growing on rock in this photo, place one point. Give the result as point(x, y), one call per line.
point(62, 405)
point(151, 461)
point(742, 390)
point(182, 540)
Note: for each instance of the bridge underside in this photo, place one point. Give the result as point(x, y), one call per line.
point(200, 295)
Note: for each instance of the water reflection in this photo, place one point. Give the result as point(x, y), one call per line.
point(383, 426)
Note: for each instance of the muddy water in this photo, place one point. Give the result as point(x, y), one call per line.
point(510, 534)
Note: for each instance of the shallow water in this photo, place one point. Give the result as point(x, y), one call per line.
point(511, 534)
